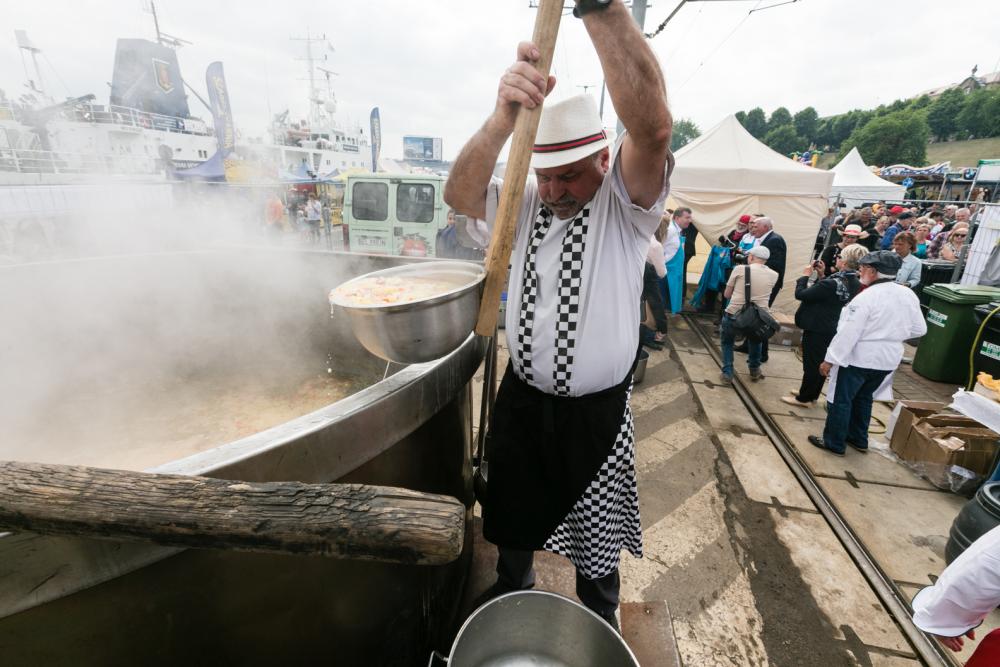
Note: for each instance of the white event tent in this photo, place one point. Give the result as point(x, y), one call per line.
point(726, 173)
point(856, 184)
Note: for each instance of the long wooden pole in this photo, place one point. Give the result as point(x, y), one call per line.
point(354, 521)
point(546, 30)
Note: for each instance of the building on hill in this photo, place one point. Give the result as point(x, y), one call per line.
point(968, 84)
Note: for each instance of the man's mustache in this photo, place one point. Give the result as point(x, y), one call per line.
point(565, 200)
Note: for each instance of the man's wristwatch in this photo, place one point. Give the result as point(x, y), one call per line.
point(587, 6)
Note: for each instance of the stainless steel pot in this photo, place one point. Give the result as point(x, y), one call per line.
point(537, 628)
point(423, 330)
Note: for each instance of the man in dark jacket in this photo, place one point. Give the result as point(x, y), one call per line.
point(818, 315)
point(902, 224)
point(763, 230)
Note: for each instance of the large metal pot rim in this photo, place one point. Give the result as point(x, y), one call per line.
point(529, 593)
point(474, 271)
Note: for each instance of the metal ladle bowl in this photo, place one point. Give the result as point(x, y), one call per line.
point(421, 330)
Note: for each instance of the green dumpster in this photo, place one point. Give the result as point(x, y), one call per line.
point(943, 354)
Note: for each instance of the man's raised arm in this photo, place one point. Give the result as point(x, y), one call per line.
point(638, 91)
point(470, 175)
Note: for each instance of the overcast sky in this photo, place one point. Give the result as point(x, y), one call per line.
point(432, 66)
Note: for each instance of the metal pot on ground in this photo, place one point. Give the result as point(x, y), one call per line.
point(537, 628)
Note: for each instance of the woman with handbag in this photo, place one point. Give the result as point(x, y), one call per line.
point(818, 315)
point(762, 280)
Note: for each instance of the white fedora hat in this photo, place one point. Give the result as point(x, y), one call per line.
point(568, 131)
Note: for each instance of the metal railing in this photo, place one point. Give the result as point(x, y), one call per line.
point(119, 115)
point(58, 162)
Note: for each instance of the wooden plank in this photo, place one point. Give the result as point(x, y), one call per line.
point(353, 521)
point(523, 140)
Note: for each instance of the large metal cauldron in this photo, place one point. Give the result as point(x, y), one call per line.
point(255, 312)
point(537, 628)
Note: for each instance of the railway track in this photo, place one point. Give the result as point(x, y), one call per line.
point(929, 651)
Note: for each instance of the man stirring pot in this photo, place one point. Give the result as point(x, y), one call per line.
point(561, 449)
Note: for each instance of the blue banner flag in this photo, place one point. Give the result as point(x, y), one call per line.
point(222, 112)
point(376, 138)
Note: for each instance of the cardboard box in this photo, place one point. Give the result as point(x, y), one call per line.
point(903, 416)
point(938, 442)
point(788, 334)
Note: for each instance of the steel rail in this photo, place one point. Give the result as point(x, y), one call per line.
point(930, 652)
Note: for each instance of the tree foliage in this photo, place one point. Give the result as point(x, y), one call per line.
point(785, 139)
point(980, 115)
point(897, 137)
point(780, 116)
point(756, 123)
point(684, 131)
point(942, 116)
point(807, 124)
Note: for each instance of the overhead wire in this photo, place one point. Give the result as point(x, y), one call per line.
point(685, 33)
point(719, 45)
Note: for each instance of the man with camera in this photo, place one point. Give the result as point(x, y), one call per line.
point(866, 349)
point(762, 281)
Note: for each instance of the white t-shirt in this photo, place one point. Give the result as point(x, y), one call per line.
point(655, 257)
point(615, 252)
point(671, 241)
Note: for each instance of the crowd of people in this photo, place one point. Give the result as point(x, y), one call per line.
point(938, 231)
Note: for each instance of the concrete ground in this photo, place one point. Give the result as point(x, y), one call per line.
point(902, 519)
point(739, 567)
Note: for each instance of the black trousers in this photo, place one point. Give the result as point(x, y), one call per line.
point(516, 572)
point(814, 345)
point(651, 295)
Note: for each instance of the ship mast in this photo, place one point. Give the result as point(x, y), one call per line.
point(317, 116)
point(38, 85)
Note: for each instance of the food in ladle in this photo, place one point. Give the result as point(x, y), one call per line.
point(389, 290)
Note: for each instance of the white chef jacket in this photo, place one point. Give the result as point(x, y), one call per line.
point(672, 241)
point(873, 326)
point(966, 592)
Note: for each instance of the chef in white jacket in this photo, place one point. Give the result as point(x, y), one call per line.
point(866, 350)
point(960, 599)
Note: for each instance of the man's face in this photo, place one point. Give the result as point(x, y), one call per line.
point(758, 229)
point(867, 275)
point(905, 222)
point(683, 220)
point(961, 216)
point(565, 190)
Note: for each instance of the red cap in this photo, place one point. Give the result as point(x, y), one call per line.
point(746, 219)
point(896, 210)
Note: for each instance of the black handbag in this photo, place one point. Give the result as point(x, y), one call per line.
point(754, 322)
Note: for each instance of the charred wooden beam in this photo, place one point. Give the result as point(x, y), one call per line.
point(354, 521)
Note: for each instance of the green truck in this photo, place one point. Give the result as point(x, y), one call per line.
point(395, 214)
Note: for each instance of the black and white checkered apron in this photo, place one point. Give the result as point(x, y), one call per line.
point(605, 519)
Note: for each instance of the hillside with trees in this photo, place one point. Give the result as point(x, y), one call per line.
point(890, 134)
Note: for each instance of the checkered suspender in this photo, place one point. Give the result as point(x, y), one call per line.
point(529, 292)
point(568, 312)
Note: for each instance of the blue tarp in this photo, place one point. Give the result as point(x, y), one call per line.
point(210, 170)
